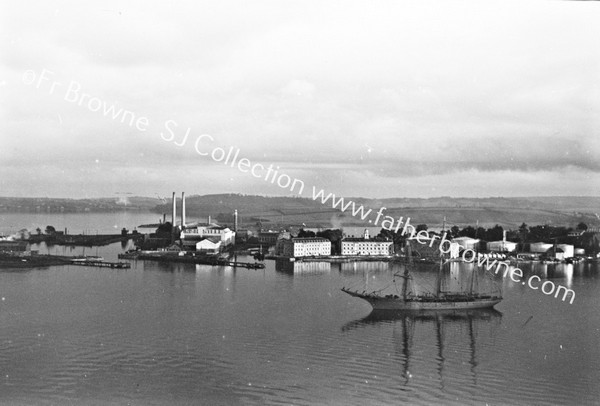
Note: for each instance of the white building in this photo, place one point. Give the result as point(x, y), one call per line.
point(306, 247)
point(502, 246)
point(539, 247)
point(209, 245)
point(365, 246)
point(568, 250)
point(467, 243)
point(198, 232)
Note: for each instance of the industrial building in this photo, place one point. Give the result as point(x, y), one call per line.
point(207, 237)
point(211, 245)
point(201, 231)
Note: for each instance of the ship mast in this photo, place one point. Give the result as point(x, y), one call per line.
point(474, 280)
point(438, 289)
point(406, 270)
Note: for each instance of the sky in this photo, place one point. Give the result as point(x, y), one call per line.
point(359, 98)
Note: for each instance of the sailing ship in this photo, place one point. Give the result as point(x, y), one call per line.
point(438, 300)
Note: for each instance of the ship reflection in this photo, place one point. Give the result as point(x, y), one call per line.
point(461, 325)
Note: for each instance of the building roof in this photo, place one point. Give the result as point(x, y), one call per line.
point(310, 239)
point(213, 239)
point(216, 227)
point(465, 239)
point(357, 239)
point(209, 242)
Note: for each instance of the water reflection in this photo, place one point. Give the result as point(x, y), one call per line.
point(296, 268)
point(412, 333)
point(363, 266)
point(566, 273)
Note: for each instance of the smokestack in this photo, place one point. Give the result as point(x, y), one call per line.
point(182, 210)
point(164, 218)
point(235, 221)
point(174, 213)
point(208, 220)
point(503, 235)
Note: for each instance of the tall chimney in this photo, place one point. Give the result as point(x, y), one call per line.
point(503, 235)
point(182, 210)
point(235, 221)
point(209, 220)
point(174, 213)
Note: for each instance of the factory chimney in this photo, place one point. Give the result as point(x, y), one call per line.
point(503, 235)
point(208, 220)
point(182, 210)
point(174, 212)
point(235, 221)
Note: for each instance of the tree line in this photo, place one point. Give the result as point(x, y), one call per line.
point(523, 235)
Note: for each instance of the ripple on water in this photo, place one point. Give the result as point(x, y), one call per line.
point(169, 336)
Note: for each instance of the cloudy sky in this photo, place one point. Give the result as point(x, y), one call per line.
point(361, 98)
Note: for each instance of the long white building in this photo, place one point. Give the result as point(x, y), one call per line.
point(365, 246)
point(306, 247)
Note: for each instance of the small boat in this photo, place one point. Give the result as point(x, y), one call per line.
point(438, 300)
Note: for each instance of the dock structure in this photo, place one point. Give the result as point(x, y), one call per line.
point(194, 260)
point(249, 265)
point(102, 264)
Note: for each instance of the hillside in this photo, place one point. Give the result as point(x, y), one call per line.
point(508, 212)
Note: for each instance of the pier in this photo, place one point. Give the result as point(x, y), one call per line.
point(83, 240)
point(102, 264)
point(36, 261)
point(188, 259)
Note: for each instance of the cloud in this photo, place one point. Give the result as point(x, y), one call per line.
point(381, 95)
point(299, 88)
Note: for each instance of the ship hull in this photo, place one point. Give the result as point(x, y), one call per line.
point(385, 303)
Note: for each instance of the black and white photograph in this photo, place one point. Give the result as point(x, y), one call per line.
point(299, 202)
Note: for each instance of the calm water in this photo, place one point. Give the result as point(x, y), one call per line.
point(184, 334)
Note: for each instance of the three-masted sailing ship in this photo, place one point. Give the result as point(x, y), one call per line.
point(438, 300)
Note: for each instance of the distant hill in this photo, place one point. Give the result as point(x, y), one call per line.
point(508, 212)
point(60, 205)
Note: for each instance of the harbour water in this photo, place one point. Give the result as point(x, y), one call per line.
point(192, 334)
